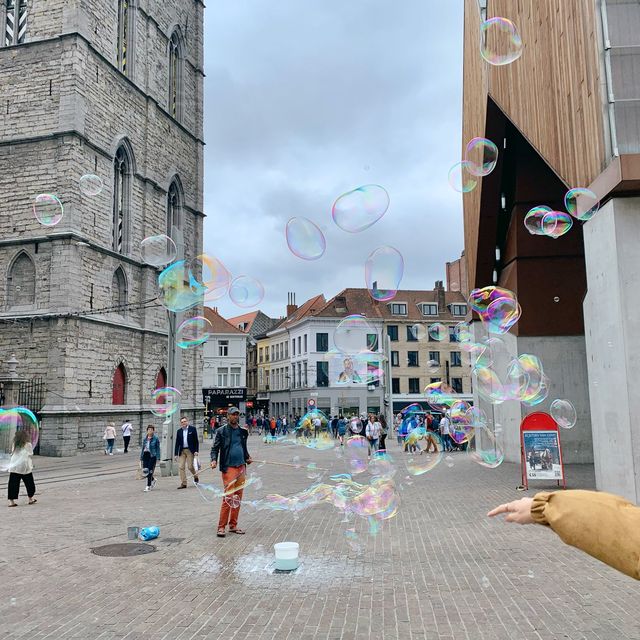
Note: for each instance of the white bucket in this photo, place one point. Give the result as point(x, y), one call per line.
point(286, 555)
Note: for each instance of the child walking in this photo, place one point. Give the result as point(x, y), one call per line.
point(21, 468)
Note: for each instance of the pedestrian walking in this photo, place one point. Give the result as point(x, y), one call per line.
point(272, 428)
point(445, 433)
point(372, 432)
point(149, 455)
point(230, 451)
point(186, 450)
point(126, 427)
point(110, 438)
point(317, 425)
point(342, 429)
point(383, 433)
point(334, 427)
point(21, 468)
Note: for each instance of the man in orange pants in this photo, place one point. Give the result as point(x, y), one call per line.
point(230, 447)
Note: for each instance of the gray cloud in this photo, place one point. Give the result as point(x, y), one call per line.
point(303, 104)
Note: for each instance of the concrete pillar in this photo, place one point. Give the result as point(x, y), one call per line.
point(612, 328)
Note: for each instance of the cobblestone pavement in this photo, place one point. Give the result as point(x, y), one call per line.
point(438, 570)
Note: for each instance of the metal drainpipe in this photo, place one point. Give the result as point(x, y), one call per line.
point(606, 44)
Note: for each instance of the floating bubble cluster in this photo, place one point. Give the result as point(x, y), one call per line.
point(304, 239)
point(564, 413)
point(384, 269)
point(91, 184)
point(357, 210)
point(179, 289)
point(500, 41)
point(48, 209)
point(498, 308)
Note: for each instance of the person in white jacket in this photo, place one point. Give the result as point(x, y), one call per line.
point(21, 468)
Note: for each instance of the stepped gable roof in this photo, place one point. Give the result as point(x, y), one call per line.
point(219, 324)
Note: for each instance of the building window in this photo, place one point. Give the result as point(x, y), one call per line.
point(299, 345)
point(373, 373)
point(286, 349)
point(174, 208)
point(293, 346)
point(293, 376)
point(273, 353)
point(322, 374)
point(119, 385)
point(414, 385)
point(260, 354)
point(119, 291)
point(223, 348)
point(122, 171)
point(305, 343)
point(398, 309)
point(459, 309)
point(306, 379)
point(125, 36)
point(429, 309)
point(395, 358)
point(161, 382)
point(392, 332)
point(234, 377)
point(15, 22)
point(372, 341)
point(434, 357)
point(456, 358)
point(453, 335)
point(412, 358)
point(434, 380)
point(176, 56)
point(412, 336)
point(223, 376)
point(261, 377)
point(21, 282)
point(300, 373)
point(322, 342)
point(395, 385)
point(456, 384)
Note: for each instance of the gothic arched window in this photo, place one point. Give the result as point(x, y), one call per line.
point(122, 172)
point(119, 291)
point(174, 207)
point(176, 56)
point(119, 385)
point(21, 282)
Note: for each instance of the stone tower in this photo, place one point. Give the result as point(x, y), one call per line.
point(112, 88)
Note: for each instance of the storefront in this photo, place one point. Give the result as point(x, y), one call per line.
point(218, 400)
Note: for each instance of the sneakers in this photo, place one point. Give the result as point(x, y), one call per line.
point(154, 482)
point(147, 488)
point(196, 479)
point(111, 454)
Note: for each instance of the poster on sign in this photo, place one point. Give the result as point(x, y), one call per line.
point(542, 455)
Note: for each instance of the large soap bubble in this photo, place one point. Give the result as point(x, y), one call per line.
point(357, 210)
point(384, 269)
point(304, 239)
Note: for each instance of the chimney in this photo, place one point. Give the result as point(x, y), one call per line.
point(439, 288)
point(292, 307)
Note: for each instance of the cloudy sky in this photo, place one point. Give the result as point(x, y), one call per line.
point(308, 100)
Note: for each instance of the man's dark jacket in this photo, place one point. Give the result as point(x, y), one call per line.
point(222, 446)
point(192, 441)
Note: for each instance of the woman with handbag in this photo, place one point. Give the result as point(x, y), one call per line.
point(21, 468)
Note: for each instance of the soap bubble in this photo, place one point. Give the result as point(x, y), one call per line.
point(353, 540)
point(179, 289)
point(166, 401)
point(145, 472)
point(488, 385)
point(212, 274)
point(351, 334)
point(481, 156)
point(305, 239)
point(582, 203)
point(533, 220)
point(384, 269)
point(564, 413)
point(355, 425)
point(357, 210)
point(357, 449)
point(419, 331)
point(498, 308)
point(427, 459)
point(489, 448)
point(460, 177)
point(433, 366)
point(48, 209)
point(462, 333)
point(91, 184)
point(526, 380)
point(193, 332)
point(158, 250)
point(438, 332)
point(233, 501)
point(440, 396)
point(556, 224)
point(246, 291)
point(312, 471)
point(18, 419)
point(500, 41)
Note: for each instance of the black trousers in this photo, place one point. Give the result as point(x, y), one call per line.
point(126, 443)
point(14, 485)
point(149, 462)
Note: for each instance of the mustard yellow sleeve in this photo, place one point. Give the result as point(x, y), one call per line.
point(603, 525)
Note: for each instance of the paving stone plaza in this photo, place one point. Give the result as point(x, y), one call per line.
point(438, 570)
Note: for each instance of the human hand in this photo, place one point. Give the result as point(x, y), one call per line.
point(214, 464)
point(518, 511)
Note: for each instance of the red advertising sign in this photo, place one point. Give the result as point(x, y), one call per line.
point(540, 449)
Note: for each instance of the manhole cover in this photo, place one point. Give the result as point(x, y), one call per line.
point(123, 550)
